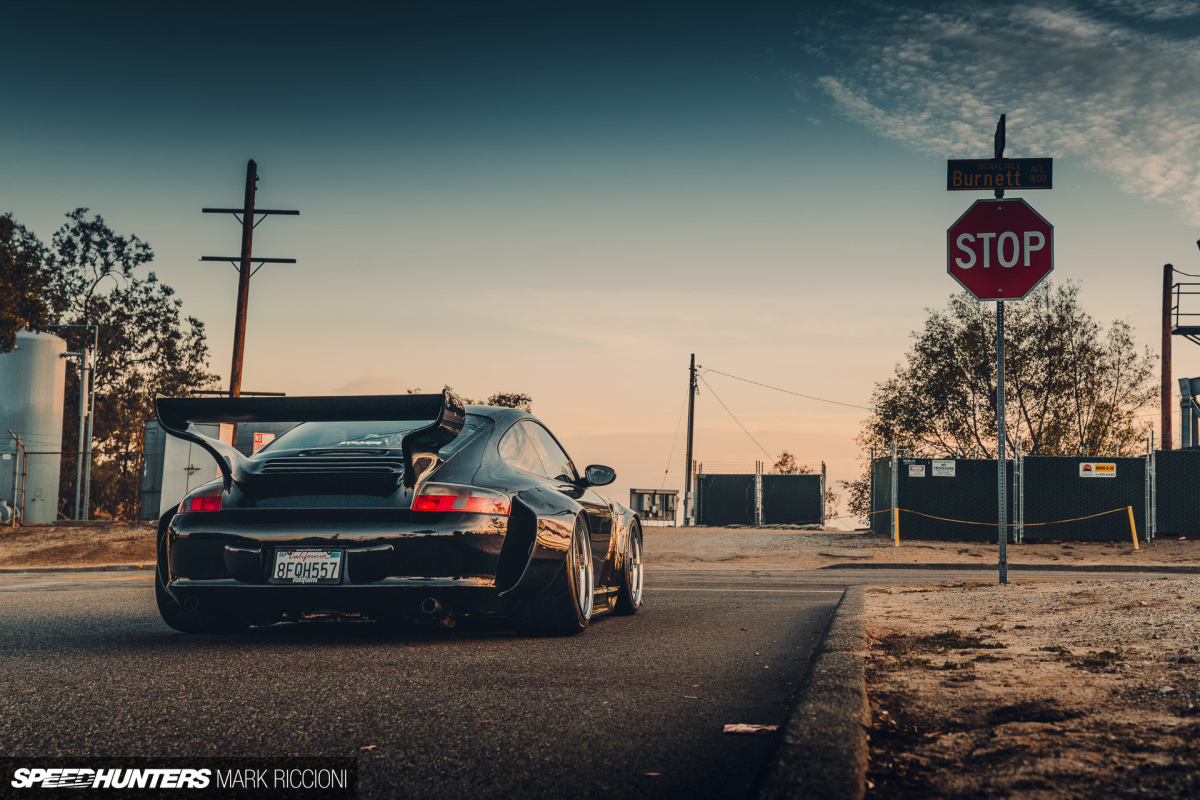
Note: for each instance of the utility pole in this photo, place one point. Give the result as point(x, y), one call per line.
point(243, 295)
point(83, 407)
point(243, 263)
point(87, 414)
point(1165, 398)
point(688, 516)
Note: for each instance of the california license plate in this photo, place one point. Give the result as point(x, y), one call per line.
point(296, 567)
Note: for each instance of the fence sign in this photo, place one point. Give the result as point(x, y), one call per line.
point(916, 470)
point(943, 469)
point(1090, 469)
point(261, 440)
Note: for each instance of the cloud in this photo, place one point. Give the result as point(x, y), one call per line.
point(1156, 10)
point(1074, 82)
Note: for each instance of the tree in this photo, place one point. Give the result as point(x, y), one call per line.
point(500, 399)
point(832, 499)
point(144, 347)
point(786, 465)
point(511, 400)
point(22, 280)
point(1071, 387)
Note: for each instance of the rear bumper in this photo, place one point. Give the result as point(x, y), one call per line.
point(389, 597)
point(393, 557)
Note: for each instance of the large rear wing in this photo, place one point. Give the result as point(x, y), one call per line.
point(445, 412)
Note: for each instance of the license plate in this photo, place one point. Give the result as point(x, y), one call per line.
point(297, 567)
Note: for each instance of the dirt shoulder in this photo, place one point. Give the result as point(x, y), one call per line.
point(748, 548)
point(1039, 689)
point(97, 543)
point(81, 544)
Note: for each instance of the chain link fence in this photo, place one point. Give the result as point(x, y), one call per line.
point(110, 486)
point(723, 500)
point(946, 499)
point(1177, 480)
point(773, 499)
point(1047, 497)
point(1063, 501)
point(793, 499)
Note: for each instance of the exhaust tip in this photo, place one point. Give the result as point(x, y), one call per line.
point(191, 603)
point(430, 605)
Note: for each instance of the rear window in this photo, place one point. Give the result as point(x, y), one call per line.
point(365, 436)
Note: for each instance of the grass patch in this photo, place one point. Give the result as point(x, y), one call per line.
point(906, 662)
point(999, 626)
point(1098, 660)
point(953, 640)
point(1104, 659)
point(1060, 651)
point(1030, 711)
point(985, 658)
point(899, 644)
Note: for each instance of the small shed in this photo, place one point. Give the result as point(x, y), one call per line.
point(655, 505)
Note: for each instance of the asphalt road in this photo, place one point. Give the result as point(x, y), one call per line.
point(634, 707)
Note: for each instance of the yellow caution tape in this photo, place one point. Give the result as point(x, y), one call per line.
point(1010, 524)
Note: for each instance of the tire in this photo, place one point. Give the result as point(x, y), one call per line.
point(174, 614)
point(629, 591)
point(565, 607)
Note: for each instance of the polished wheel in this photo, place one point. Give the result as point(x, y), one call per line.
point(629, 591)
point(565, 607)
point(581, 561)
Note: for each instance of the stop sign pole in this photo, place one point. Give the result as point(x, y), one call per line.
point(1000, 250)
point(1001, 463)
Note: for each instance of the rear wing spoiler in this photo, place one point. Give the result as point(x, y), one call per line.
point(445, 412)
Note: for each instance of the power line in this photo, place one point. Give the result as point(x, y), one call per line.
point(679, 422)
point(735, 419)
point(787, 391)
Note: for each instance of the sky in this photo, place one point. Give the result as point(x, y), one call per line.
point(570, 199)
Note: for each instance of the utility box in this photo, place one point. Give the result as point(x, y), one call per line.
point(186, 466)
point(1189, 412)
point(165, 475)
point(154, 442)
point(654, 505)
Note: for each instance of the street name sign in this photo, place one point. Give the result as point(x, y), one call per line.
point(1000, 249)
point(974, 174)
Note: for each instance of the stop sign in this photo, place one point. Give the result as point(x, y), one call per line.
point(1000, 249)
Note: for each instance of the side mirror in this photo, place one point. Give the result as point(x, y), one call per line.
point(598, 475)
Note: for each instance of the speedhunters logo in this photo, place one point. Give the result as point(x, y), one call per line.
point(169, 777)
point(68, 777)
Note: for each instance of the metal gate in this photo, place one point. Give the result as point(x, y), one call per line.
point(725, 500)
point(1063, 490)
point(1177, 495)
point(793, 499)
point(947, 499)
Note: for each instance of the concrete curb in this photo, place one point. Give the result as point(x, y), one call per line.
point(98, 568)
point(1030, 567)
point(822, 752)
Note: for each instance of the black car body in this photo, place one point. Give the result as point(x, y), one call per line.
point(411, 505)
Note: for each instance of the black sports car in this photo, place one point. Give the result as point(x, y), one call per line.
point(397, 506)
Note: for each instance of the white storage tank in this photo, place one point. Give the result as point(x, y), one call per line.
point(32, 385)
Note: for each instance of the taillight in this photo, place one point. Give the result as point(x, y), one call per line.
point(467, 499)
point(207, 500)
